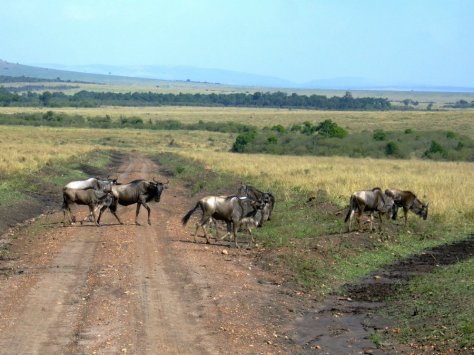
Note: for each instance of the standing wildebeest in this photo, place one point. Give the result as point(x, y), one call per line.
point(369, 201)
point(230, 209)
point(408, 201)
point(255, 194)
point(92, 198)
point(139, 192)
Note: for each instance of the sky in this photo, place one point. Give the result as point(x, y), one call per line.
point(425, 42)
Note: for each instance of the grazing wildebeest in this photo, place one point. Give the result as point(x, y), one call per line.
point(90, 197)
point(255, 194)
point(369, 201)
point(230, 209)
point(137, 191)
point(408, 201)
point(91, 183)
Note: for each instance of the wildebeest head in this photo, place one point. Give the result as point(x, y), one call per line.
point(155, 188)
point(389, 206)
point(420, 209)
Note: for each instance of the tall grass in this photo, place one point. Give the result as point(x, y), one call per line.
point(24, 150)
point(446, 186)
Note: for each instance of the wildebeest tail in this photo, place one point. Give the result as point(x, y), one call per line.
point(351, 206)
point(186, 217)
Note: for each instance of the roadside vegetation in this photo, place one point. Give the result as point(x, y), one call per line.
point(329, 139)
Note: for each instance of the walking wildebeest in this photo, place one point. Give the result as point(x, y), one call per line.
point(408, 201)
point(230, 209)
point(137, 191)
point(92, 198)
point(369, 201)
point(255, 194)
point(91, 183)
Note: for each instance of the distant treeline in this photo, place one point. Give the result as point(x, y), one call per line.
point(461, 104)
point(257, 99)
point(29, 79)
point(14, 89)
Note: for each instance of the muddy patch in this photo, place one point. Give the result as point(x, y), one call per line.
point(343, 324)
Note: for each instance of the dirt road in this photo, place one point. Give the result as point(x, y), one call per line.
point(134, 289)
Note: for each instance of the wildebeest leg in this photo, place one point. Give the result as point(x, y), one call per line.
point(381, 222)
point(359, 217)
point(229, 229)
point(405, 213)
point(234, 232)
point(67, 210)
point(203, 225)
point(136, 213)
point(214, 222)
point(92, 211)
point(112, 210)
point(149, 210)
point(351, 216)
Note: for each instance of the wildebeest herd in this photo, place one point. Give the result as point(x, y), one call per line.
point(246, 209)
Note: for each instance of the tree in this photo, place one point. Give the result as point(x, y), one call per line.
point(328, 128)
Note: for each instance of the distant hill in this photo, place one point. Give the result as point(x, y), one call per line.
point(182, 73)
point(12, 69)
point(158, 74)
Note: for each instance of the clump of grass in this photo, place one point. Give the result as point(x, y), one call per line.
point(437, 310)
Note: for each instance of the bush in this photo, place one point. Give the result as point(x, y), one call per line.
point(379, 135)
point(329, 128)
point(436, 151)
point(392, 148)
point(242, 140)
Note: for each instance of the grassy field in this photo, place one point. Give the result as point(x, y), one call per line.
point(460, 121)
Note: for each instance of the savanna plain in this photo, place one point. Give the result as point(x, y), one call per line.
point(306, 245)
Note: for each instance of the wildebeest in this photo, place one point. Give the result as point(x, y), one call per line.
point(369, 201)
point(255, 194)
point(230, 209)
point(91, 183)
point(137, 191)
point(408, 201)
point(90, 197)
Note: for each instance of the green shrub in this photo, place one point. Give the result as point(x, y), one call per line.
point(392, 148)
point(379, 135)
point(329, 128)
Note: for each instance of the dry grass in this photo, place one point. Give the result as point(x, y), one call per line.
point(24, 150)
point(355, 121)
point(446, 186)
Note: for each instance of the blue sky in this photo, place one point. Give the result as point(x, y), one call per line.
point(427, 42)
